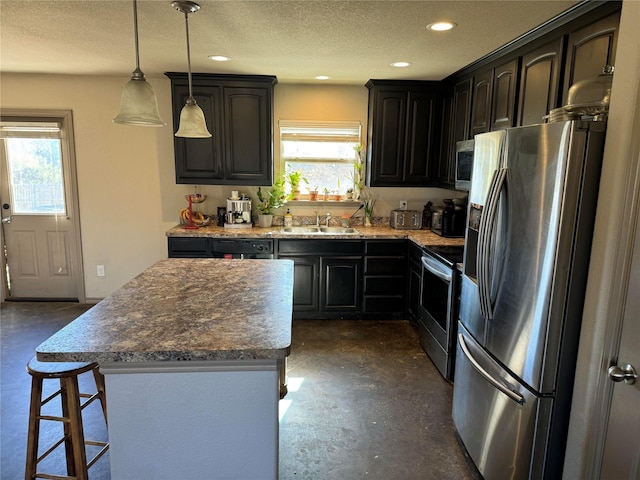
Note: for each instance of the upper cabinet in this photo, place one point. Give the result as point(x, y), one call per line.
point(403, 132)
point(522, 82)
point(239, 114)
point(589, 50)
point(539, 82)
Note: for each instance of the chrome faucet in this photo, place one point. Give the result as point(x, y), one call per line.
point(328, 217)
point(317, 218)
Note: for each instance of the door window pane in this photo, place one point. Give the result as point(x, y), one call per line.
point(36, 180)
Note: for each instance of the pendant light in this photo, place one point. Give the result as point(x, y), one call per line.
point(192, 122)
point(138, 105)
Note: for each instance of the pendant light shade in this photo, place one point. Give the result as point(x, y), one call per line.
point(138, 104)
point(192, 121)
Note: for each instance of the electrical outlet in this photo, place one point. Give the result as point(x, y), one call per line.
point(403, 204)
point(100, 270)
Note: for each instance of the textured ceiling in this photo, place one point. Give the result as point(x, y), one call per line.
point(350, 41)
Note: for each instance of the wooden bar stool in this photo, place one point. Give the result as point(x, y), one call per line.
point(72, 406)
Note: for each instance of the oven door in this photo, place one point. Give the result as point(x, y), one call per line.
point(436, 322)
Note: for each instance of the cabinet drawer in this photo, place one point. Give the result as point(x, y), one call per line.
point(386, 248)
point(385, 265)
point(320, 247)
point(189, 247)
point(384, 285)
point(383, 304)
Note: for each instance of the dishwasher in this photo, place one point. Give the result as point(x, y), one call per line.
point(244, 248)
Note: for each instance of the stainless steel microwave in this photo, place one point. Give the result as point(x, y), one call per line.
point(464, 164)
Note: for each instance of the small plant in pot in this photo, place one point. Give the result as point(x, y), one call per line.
point(269, 200)
point(313, 194)
point(294, 178)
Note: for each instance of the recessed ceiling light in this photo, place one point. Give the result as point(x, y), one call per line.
point(400, 64)
point(441, 26)
point(219, 58)
point(322, 77)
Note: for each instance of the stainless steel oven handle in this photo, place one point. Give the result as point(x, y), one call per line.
point(515, 396)
point(435, 267)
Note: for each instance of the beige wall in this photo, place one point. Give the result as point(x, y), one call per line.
point(126, 177)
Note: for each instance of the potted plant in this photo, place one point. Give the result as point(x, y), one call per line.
point(313, 194)
point(358, 171)
point(273, 198)
point(295, 177)
point(325, 192)
point(348, 194)
point(369, 201)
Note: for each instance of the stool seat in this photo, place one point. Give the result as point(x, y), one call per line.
point(37, 368)
point(71, 417)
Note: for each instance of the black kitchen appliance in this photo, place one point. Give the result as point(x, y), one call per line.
point(449, 221)
point(437, 324)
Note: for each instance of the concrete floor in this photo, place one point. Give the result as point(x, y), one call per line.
point(364, 401)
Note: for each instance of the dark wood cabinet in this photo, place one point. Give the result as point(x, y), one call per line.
point(239, 115)
point(589, 50)
point(414, 278)
point(481, 102)
point(327, 276)
point(305, 282)
point(385, 270)
point(504, 92)
point(445, 166)
point(403, 132)
point(539, 82)
point(340, 280)
point(189, 247)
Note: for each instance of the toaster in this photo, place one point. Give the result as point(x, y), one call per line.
point(405, 219)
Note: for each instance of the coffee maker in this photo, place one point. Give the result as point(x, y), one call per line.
point(238, 211)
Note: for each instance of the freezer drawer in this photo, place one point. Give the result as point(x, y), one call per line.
point(497, 427)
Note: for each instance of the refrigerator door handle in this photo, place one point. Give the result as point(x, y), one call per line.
point(486, 247)
point(515, 396)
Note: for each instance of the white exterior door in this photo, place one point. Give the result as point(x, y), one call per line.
point(622, 445)
point(40, 225)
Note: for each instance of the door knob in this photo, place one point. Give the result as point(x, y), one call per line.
point(626, 373)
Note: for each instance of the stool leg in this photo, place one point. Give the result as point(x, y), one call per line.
point(34, 428)
point(99, 378)
point(74, 413)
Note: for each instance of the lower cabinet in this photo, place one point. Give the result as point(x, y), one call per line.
point(385, 270)
point(414, 283)
point(327, 276)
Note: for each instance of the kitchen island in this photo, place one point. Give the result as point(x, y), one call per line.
point(191, 351)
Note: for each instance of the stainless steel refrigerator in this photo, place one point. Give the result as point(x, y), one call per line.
point(532, 205)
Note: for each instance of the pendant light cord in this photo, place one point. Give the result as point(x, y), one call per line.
point(186, 22)
point(135, 31)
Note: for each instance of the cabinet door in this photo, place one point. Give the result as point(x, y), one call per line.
point(503, 105)
point(539, 83)
point(423, 111)
point(481, 102)
point(445, 165)
point(199, 160)
point(340, 281)
point(415, 281)
point(388, 143)
point(305, 283)
point(589, 50)
point(248, 136)
point(461, 125)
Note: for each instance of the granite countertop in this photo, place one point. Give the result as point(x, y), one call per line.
point(423, 238)
point(186, 310)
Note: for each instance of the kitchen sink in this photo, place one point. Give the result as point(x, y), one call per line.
point(313, 230)
point(338, 230)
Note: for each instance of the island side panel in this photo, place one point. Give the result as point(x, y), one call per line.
point(169, 421)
